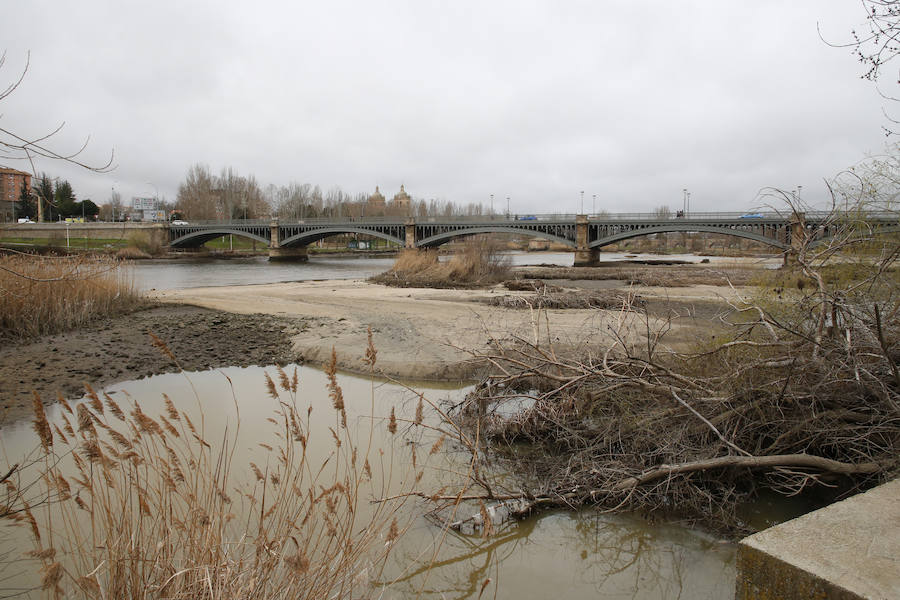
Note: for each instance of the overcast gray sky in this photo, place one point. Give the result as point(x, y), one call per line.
point(536, 101)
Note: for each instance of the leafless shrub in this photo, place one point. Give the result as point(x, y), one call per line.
point(649, 275)
point(145, 243)
point(803, 393)
point(479, 263)
point(131, 253)
point(529, 285)
point(548, 298)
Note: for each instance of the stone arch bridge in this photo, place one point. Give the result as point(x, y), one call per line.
point(288, 240)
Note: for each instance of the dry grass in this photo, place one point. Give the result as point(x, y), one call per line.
point(133, 505)
point(46, 294)
point(650, 275)
point(479, 263)
point(548, 297)
point(131, 253)
point(145, 243)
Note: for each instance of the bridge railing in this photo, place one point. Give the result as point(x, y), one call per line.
point(748, 216)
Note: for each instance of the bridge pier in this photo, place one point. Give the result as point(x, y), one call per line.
point(587, 258)
point(584, 255)
point(410, 231)
point(795, 232)
point(289, 254)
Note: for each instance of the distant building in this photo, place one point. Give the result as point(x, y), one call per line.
point(401, 200)
point(375, 203)
point(12, 182)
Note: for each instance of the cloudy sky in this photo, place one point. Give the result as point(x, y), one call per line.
point(535, 101)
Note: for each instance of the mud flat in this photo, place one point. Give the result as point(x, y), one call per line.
point(120, 348)
point(420, 334)
point(427, 333)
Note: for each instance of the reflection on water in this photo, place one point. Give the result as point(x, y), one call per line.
point(579, 555)
point(203, 272)
point(584, 554)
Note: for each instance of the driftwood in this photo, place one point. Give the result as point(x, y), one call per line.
point(800, 390)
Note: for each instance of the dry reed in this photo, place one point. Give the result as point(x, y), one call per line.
point(141, 506)
point(478, 263)
point(47, 294)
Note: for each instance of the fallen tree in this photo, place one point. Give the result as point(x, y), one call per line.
point(803, 393)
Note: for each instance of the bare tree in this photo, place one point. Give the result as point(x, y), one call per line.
point(18, 146)
point(662, 212)
point(877, 43)
point(197, 196)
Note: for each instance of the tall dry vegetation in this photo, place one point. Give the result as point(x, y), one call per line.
point(478, 262)
point(124, 504)
point(47, 294)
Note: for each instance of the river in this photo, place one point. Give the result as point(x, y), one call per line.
point(578, 555)
point(163, 274)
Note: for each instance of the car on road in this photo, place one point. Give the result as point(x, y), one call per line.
point(180, 222)
point(26, 220)
point(752, 216)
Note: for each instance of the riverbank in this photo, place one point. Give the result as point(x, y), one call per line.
point(420, 334)
point(120, 348)
point(429, 334)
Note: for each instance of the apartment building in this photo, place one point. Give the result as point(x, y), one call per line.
point(11, 184)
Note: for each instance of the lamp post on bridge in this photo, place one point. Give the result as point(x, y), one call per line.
point(492, 206)
point(507, 207)
point(594, 205)
point(582, 201)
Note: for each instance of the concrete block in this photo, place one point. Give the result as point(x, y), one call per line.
point(846, 551)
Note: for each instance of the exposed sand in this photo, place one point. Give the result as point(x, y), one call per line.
point(425, 333)
point(419, 333)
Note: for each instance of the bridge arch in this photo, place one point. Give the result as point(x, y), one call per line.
point(878, 231)
point(442, 238)
point(676, 228)
point(200, 237)
point(309, 237)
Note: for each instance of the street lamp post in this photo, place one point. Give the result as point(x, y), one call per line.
point(492, 206)
point(507, 207)
point(582, 201)
point(594, 205)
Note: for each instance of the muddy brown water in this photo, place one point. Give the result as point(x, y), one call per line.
point(582, 554)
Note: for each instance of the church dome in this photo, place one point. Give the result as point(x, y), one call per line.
point(376, 198)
